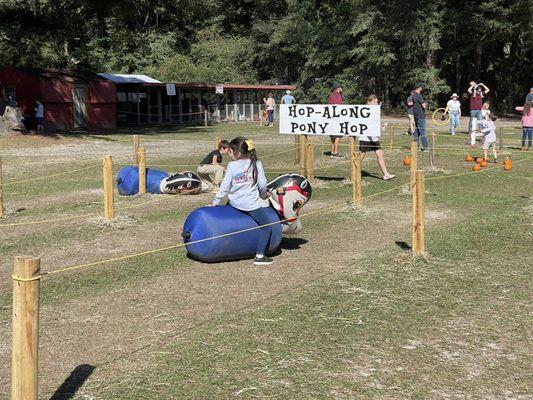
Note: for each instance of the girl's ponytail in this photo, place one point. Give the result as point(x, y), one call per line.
point(253, 162)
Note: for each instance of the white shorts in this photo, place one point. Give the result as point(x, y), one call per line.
point(488, 143)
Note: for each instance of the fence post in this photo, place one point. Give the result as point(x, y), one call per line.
point(142, 170)
point(309, 159)
point(418, 213)
point(355, 173)
point(217, 142)
point(25, 352)
point(432, 149)
point(109, 198)
point(501, 138)
point(303, 141)
point(414, 159)
point(296, 149)
point(2, 209)
point(391, 141)
point(135, 149)
point(205, 118)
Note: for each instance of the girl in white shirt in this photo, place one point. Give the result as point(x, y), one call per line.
point(453, 107)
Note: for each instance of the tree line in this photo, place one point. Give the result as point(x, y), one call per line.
point(378, 46)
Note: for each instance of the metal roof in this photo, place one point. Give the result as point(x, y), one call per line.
point(129, 78)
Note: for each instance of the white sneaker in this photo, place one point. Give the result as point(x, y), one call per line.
point(388, 177)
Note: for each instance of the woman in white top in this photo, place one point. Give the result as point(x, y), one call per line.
point(271, 105)
point(454, 108)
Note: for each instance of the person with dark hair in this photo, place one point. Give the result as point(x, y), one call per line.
point(477, 92)
point(335, 98)
point(212, 164)
point(371, 143)
point(39, 116)
point(244, 184)
point(419, 107)
point(527, 124)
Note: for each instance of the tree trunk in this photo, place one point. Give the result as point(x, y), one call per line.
point(478, 63)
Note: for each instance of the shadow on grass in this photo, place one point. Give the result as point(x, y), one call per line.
point(73, 383)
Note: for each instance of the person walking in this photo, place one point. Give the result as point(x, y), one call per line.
point(270, 103)
point(419, 107)
point(371, 143)
point(527, 124)
point(335, 98)
point(529, 96)
point(453, 107)
point(39, 116)
point(288, 98)
point(410, 114)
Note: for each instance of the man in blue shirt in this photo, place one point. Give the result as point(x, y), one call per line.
point(288, 99)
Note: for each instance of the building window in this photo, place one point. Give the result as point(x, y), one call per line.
point(10, 91)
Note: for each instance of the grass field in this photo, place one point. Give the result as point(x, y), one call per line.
point(344, 312)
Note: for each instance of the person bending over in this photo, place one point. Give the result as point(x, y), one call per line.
point(212, 165)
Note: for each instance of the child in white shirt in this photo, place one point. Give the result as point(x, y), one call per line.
point(488, 129)
point(453, 107)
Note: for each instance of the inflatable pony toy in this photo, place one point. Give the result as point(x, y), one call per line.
point(158, 182)
point(287, 195)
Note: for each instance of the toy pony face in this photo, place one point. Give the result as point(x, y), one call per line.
point(288, 194)
point(186, 182)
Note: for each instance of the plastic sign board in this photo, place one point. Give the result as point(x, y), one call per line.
point(330, 119)
point(171, 89)
point(219, 89)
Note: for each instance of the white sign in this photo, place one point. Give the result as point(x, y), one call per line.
point(171, 89)
point(219, 89)
point(330, 119)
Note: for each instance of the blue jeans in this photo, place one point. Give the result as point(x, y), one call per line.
point(261, 217)
point(527, 132)
point(420, 132)
point(271, 117)
point(478, 115)
point(454, 120)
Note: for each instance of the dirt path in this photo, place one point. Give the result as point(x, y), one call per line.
point(106, 330)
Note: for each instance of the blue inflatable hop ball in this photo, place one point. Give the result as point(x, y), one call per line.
point(128, 180)
point(208, 222)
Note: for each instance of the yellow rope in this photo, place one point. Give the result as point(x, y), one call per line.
point(51, 176)
point(18, 278)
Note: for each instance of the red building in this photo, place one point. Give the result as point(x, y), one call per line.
point(72, 99)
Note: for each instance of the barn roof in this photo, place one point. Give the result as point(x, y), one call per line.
point(60, 74)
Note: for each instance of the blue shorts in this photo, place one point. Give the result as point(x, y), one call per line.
point(39, 120)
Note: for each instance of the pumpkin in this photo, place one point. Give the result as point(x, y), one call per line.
point(468, 158)
point(407, 160)
point(479, 160)
point(476, 167)
point(507, 161)
point(484, 163)
point(507, 167)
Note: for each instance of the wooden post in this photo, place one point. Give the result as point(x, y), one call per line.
point(355, 173)
point(142, 171)
point(391, 141)
point(414, 159)
point(418, 213)
point(205, 118)
point(303, 140)
point(296, 149)
point(109, 199)
point(432, 149)
point(135, 149)
point(217, 142)
point(25, 351)
point(2, 209)
point(260, 115)
point(309, 159)
point(501, 138)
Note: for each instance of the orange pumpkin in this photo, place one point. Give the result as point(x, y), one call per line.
point(407, 160)
point(476, 167)
point(468, 158)
point(507, 161)
point(479, 160)
point(484, 164)
point(507, 167)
